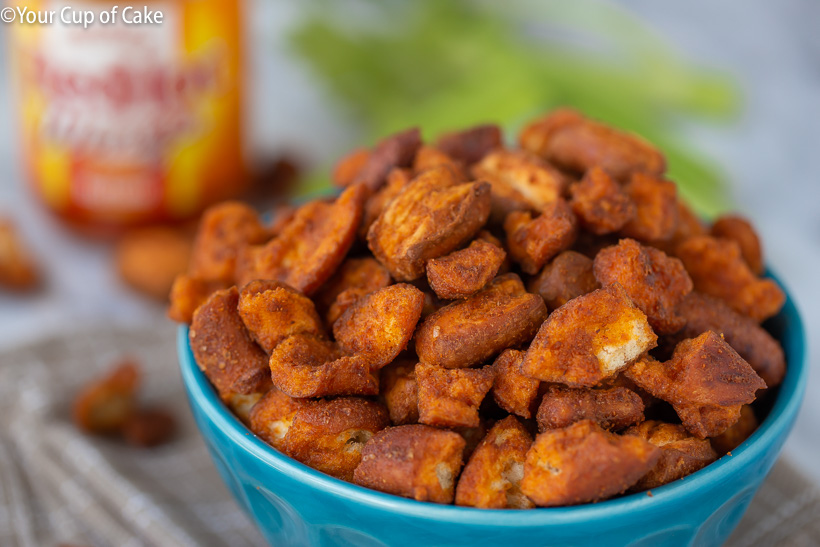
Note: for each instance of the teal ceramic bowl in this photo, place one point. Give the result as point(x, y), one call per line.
point(294, 505)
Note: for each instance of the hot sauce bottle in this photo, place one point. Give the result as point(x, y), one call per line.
point(130, 123)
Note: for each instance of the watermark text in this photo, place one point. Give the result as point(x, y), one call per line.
point(128, 15)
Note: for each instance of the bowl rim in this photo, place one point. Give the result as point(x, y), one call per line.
point(782, 413)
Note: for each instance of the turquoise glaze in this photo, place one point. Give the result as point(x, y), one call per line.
point(294, 505)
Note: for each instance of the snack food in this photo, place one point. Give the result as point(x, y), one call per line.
point(532, 241)
point(656, 208)
point(463, 273)
point(431, 216)
point(355, 278)
point(568, 140)
point(739, 230)
point(105, 404)
point(329, 434)
point(583, 463)
point(450, 397)
point(600, 204)
point(109, 405)
point(150, 259)
point(273, 311)
point(589, 339)
point(718, 269)
point(223, 231)
point(18, 271)
point(311, 246)
point(148, 427)
point(548, 316)
point(501, 316)
point(415, 461)
point(394, 151)
point(567, 276)
point(655, 282)
point(702, 313)
point(706, 382)
point(681, 453)
point(225, 351)
point(519, 181)
point(492, 477)
point(611, 408)
point(514, 391)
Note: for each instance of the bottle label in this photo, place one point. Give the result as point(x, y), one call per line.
point(129, 123)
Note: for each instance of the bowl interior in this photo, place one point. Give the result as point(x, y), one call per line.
point(784, 403)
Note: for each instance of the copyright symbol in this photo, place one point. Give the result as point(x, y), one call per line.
point(7, 15)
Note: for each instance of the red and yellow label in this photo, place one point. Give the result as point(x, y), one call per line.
point(124, 124)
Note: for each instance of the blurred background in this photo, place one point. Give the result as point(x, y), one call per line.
point(728, 90)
